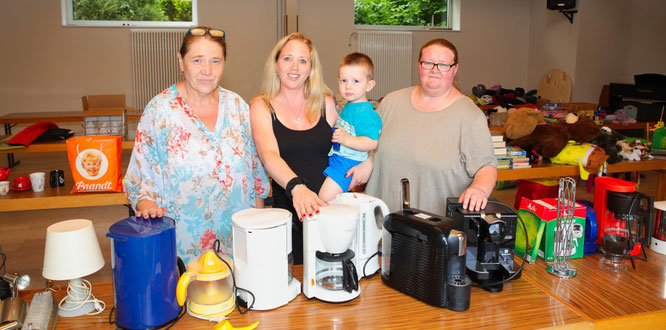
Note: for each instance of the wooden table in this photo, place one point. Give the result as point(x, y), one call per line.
point(11, 119)
point(592, 298)
point(520, 305)
point(57, 198)
point(635, 299)
point(54, 146)
point(546, 170)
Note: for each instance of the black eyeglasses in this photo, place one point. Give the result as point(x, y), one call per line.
point(443, 67)
point(199, 32)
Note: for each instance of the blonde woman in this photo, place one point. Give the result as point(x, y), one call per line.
point(291, 125)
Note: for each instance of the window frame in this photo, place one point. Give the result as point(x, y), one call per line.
point(453, 19)
point(68, 19)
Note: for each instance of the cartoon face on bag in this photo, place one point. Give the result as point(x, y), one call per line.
point(95, 163)
point(91, 164)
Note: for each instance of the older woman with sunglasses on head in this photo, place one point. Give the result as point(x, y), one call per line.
point(436, 137)
point(291, 126)
point(194, 158)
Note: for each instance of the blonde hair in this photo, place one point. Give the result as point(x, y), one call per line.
point(315, 89)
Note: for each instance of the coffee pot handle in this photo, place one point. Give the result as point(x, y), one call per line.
point(349, 276)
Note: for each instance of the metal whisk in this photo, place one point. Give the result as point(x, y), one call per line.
point(564, 237)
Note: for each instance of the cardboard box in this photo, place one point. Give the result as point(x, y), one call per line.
point(104, 114)
point(541, 215)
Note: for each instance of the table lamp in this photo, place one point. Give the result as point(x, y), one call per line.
point(72, 252)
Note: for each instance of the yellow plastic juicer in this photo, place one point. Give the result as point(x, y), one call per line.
point(208, 285)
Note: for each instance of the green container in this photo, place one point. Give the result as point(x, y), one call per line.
point(659, 138)
point(540, 218)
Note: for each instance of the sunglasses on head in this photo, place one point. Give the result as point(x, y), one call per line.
point(200, 32)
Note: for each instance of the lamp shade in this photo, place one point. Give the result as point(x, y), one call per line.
point(72, 250)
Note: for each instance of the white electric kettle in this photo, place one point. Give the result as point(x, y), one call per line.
point(372, 212)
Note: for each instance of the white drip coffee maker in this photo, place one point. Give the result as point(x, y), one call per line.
point(329, 272)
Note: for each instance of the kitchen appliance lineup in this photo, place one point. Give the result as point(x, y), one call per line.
point(342, 245)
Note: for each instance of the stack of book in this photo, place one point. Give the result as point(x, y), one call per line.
point(518, 157)
point(499, 145)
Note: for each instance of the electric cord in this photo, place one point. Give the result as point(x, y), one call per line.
point(520, 269)
point(378, 254)
point(216, 247)
point(84, 290)
point(631, 239)
point(4, 258)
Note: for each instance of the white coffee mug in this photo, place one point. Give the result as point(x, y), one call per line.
point(37, 179)
point(4, 187)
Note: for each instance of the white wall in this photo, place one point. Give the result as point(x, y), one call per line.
point(609, 41)
point(47, 67)
point(328, 24)
point(492, 44)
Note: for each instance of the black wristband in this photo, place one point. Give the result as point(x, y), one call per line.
point(293, 183)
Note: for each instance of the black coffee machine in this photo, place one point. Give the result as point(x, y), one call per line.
point(423, 255)
point(491, 238)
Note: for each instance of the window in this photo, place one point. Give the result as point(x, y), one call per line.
point(147, 13)
point(407, 14)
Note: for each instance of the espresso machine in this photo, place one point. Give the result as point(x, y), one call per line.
point(658, 241)
point(491, 238)
point(263, 258)
point(329, 272)
point(626, 215)
point(423, 255)
point(372, 212)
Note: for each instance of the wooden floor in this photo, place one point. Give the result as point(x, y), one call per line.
point(23, 233)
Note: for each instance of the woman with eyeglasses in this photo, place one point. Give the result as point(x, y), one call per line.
point(291, 126)
point(194, 159)
point(436, 137)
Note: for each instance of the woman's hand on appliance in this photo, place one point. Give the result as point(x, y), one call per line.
point(149, 209)
point(306, 202)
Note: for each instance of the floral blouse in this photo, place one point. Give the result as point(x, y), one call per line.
point(201, 177)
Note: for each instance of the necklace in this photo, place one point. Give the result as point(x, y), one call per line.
point(299, 109)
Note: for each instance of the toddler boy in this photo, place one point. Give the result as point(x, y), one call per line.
point(358, 126)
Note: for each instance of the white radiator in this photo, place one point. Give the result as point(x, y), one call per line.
point(154, 62)
point(391, 54)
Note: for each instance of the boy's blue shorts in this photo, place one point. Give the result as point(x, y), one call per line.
point(337, 168)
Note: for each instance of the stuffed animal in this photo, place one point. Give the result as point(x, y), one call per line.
point(522, 122)
point(583, 130)
point(588, 157)
point(548, 140)
point(608, 140)
point(634, 150)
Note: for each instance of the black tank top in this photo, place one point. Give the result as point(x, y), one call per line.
point(306, 153)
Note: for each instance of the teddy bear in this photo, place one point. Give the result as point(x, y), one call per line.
point(521, 122)
point(588, 157)
point(549, 139)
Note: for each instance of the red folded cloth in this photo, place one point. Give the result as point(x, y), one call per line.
point(30, 133)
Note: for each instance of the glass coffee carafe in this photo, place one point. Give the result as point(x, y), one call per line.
point(336, 272)
point(614, 249)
